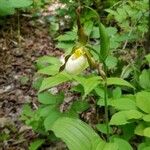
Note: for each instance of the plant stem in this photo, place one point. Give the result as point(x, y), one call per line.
point(105, 71)
point(105, 101)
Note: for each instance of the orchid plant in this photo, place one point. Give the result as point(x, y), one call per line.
point(67, 125)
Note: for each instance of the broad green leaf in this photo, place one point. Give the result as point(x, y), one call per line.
point(80, 106)
point(68, 36)
point(105, 43)
point(51, 118)
point(126, 71)
point(122, 144)
point(88, 84)
point(27, 110)
point(36, 144)
point(48, 98)
point(128, 131)
point(139, 130)
point(144, 79)
point(143, 101)
point(100, 91)
point(37, 82)
point(95, 33)
point(5, 8)
point(103, 128)
point(49, 70)
point(107, 146)
point(141, 146)
point(146, 148)
point(75, 133)
point(124, 117)
point(148, 58)
point(48, 60)
point(71, 114)
point(119, 118)
point(88, 27)
point(111, 62)
point(146, 118)
point(123, 104)
point(54, 80)
point(111, 31)
point(44, 111)
point(66, 46)
point(147, 132)
point(118, 81)
point(20, 3)
point(117, 92)
point(133, 114)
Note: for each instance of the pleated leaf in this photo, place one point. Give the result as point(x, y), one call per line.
point(54, 80)
point(76, 134)
point(118, 81)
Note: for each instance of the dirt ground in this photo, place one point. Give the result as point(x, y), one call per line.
point(16, 77)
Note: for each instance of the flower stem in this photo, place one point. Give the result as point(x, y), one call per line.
point(105, 101)
point(105, 72)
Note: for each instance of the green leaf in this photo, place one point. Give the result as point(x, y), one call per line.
point(111, 62)
point(103, 128)
point(139, 130)
point(88, 25)
point(126, 71)
point(124, 117)
point(146, 118)
point(27, 110)
point(88, 84)
point(80, 106)
point(119, 118)
point(51, 118)
point(107, 146)
point(117, 92)
point(133, 114)
point(49, 70)
point(66, 46)
point(104, 42)
point(118, 81)
point(147, 132)
point(48, 98)
point(123, 104)
point(148, 58)
point(54, 80)
point(95, 32)
point(68, 36)
point(5, 8)
point(48, 60)
point(36, 144)
point(44, 111)
point(143, 101)
point(146, 148)
point(122, 144)
point(144, 79)
point(111, 31)
point(128, 131)
point(20, 3)
point(76, 134)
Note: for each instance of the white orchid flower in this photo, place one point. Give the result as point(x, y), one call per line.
point(77, 62)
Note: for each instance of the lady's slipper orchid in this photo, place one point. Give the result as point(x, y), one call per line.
point(77, 62)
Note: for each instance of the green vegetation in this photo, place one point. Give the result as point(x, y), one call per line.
point(110, 35)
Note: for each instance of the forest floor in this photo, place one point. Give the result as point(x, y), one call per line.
point(16, 77)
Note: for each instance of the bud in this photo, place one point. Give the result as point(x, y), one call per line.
point(77, 62)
